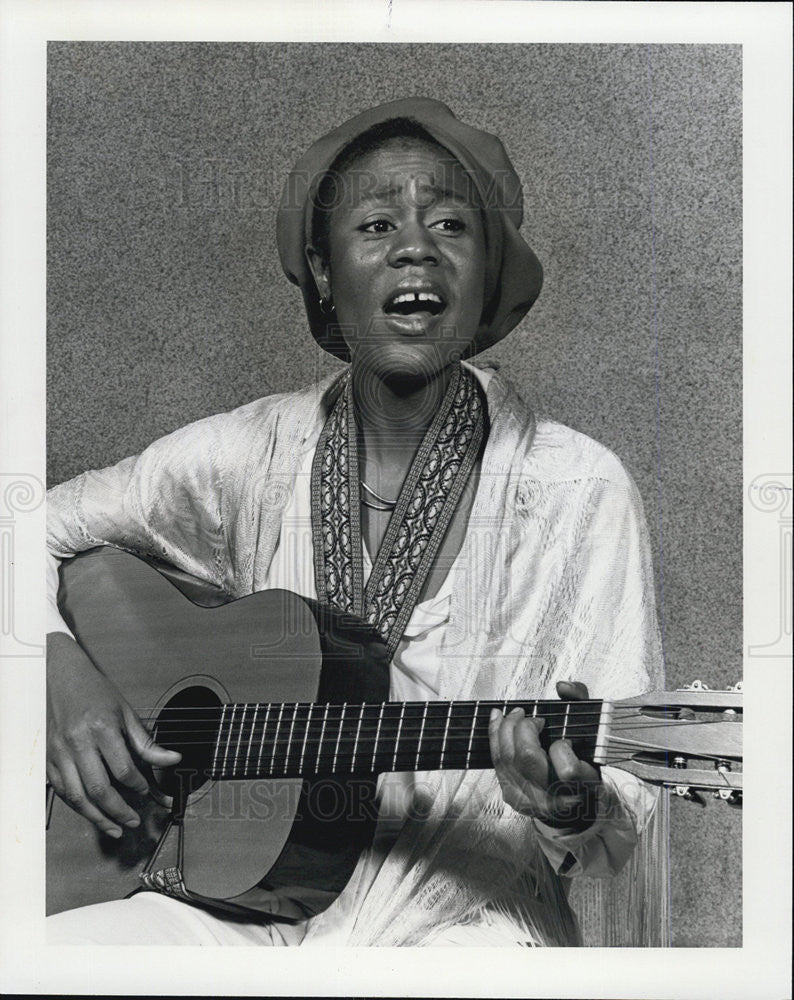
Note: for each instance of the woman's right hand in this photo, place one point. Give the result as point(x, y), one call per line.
point(93, 735)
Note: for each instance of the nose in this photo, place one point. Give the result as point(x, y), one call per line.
point(413, 244)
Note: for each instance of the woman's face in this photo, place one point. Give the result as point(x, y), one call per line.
point(406, 268)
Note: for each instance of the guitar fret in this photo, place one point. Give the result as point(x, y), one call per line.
point(236, 761)
point(584, 736)
point(602, 734)
point(397, 738)
point(289, 740)
point(421, 733)
point(444, 738)
point(228, 740)
point(355, 742)
point(338, 736)
point(471, 734)
point(305, 737)
point(377, 735)
point(250, 741)
point(218, 741)
point(322, 737)
point(565, 719)
point(262, 741)
point(275, 736)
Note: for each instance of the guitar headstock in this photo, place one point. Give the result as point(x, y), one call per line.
point(688, 740)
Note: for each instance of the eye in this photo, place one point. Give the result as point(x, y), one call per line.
point(449, 225)
point(377, 226)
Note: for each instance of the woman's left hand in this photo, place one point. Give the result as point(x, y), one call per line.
point(555, 787)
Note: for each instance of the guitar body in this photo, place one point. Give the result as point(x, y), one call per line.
point(280, 848)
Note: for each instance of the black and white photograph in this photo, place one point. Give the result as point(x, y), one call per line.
point(398, 467)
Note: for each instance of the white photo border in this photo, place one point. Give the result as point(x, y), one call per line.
point(759, 968)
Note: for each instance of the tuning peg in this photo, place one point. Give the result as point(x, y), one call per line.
point(730, 795)
point(685, 792)
point(695, 686)
point(738, 686)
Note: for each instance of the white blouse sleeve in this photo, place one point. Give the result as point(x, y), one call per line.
point(624, 807)
point(166, 503)
point(615, 588)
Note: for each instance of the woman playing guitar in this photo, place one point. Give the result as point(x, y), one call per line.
point(496, 554)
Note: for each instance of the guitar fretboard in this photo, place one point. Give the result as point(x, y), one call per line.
point(306, 739)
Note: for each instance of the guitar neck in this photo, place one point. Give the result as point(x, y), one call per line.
point(302, 739)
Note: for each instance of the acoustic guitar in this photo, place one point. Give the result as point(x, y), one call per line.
point(279, 707)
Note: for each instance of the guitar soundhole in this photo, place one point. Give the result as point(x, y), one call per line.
point(188, 722)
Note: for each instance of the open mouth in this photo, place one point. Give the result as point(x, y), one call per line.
point(414, 303)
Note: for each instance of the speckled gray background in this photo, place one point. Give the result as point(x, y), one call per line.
point(166, 301)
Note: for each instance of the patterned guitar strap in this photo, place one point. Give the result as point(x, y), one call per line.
point(423, 511)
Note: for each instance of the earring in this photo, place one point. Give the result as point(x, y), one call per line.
point(326, 306)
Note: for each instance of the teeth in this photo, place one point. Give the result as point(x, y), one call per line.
point(417, 297)
point(411, 303)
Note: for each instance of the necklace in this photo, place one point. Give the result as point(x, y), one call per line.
point(382, 502)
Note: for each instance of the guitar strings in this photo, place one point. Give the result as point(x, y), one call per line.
point(351, 724)
point(280, 734)
point(371, 712)
point(240, 761)
point(455, 726)
point(482, 703)
point(431, 735)
point(353, 717)
point(703, 755)
point(369, 722)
